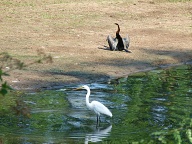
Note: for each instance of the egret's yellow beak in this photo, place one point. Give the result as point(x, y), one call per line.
point(79, 88)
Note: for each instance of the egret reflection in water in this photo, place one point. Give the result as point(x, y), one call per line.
point(98, 135)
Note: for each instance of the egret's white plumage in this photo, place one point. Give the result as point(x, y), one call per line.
point(96, 106)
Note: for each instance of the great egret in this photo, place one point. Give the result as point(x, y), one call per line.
point(95, 106)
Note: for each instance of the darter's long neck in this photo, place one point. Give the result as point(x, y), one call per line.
point(118, 30)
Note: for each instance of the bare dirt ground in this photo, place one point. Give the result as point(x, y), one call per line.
point(74, 34)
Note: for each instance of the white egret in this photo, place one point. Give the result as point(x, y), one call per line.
point(95, 106)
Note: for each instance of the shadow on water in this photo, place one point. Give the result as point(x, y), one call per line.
point(147, 107)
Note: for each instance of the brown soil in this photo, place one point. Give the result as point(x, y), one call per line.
point(74, 34)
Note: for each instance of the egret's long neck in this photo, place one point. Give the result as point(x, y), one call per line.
point(87, 97)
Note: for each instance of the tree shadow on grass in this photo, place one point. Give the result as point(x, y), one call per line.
point(179, 56)
point(58, 80)
point(122, 64)
point(83, 76)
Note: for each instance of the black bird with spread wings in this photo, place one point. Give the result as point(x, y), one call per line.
point(118, 43)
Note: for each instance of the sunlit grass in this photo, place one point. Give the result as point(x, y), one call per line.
point(179, 0)
point(172, 0)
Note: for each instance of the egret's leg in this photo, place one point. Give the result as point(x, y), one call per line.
point(98, 119)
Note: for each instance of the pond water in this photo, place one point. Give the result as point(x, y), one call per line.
point(147, 107)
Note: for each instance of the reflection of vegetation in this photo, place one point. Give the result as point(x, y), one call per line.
point(161, 102)
point(152, 107)
point(50, 104)
point(47, 115)
point(177, 135)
